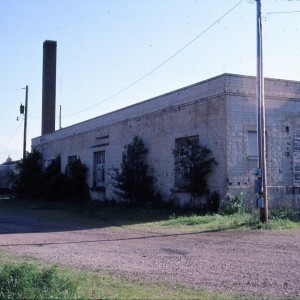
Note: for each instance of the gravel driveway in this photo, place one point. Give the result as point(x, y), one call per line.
point(252, 262)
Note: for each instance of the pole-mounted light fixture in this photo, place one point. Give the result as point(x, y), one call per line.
point(23, 111)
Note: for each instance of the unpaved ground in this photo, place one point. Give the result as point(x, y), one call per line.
point(262, 263)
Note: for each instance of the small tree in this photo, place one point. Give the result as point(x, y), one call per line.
point(32, 181)
point(133, 183)
point(232, 204)
point(26, 182)
point(55, 184)
point(193, 166)
point(79, 190)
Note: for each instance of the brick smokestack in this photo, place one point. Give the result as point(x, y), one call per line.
point(49, 87)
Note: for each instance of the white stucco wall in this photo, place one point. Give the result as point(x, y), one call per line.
point(220, 110)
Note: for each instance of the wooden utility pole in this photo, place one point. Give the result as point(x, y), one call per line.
point(261, 126)
point(25, 121)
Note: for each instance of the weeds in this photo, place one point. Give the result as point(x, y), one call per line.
point(232, 204)
point(26, 282)
point(284, 212)
point(216, 221)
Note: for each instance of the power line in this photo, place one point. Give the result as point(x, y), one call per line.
point(283, 12)
point(160, 65)
point(15, 132)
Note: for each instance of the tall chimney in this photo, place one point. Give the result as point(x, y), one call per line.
point(49, 87)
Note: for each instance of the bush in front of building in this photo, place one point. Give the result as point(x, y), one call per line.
point(55, 184)
point(213, 202)
point(27, 180)
point(78, 187)
point(132, 181)
point(32, 181)
point(284, 212)
point(193, 165)
point(231, 204)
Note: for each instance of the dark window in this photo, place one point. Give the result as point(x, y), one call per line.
point(179, 171)
point(71, 159)
point(99, 169)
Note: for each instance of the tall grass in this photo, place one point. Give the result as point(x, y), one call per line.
point(234, 221)
point(215, 222)
point(26, 282)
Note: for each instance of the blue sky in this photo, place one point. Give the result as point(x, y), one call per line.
point(103, 46)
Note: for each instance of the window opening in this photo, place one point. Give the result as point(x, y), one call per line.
point(179, 171)
point(99, 169)
point(71, 159)
point(252, 144)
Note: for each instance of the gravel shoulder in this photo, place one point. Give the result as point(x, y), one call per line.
point(265, 263)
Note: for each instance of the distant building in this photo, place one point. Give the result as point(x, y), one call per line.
point(220, 112)
point(5, 168)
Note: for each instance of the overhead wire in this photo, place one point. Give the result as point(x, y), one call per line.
point(160, 65)
point(12, 136)
point(283, 12)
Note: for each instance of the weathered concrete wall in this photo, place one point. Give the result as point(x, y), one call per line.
point(282, 102)
point(221, 110)
point(195, 110)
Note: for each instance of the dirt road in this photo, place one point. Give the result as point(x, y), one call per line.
point(265, 263)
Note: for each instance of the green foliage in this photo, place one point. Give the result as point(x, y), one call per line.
point(215, 221)
point(96, 285)
point(132, 182)
point(28, 179)
point(213, 202)
point(54, 183)
point(284, 212)
point(231, 204)
point(32, 181)
point(78, 188)
point(193, 164)
point(26, 282)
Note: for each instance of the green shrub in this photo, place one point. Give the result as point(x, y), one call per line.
point(284, 212)
point(213, 202)
point(26, 282)
point(231, 204)
point(54, 183)
point(77, 185)
point(32, 181)
point(27, 181)
point(132, 182)
point(193, 165)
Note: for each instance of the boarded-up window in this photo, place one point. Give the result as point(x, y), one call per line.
point(296, 161)
point(252, 144)
point(71, 159)
point(99, 169)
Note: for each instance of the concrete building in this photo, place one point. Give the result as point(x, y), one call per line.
point(220, 112)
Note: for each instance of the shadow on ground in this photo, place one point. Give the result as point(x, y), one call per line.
point(27, 216)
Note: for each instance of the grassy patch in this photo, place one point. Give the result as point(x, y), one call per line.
point(89, 284)
point(239, 221)
point(94, 214)
point(25, 281)
point(212, 222)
